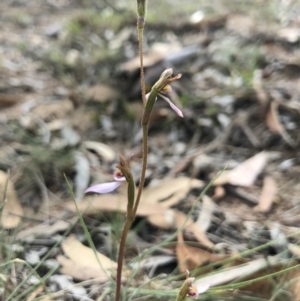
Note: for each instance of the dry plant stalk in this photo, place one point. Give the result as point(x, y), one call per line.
point(160, 89)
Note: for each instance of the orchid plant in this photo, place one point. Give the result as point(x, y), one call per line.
point(188, 289)
point(161, 89)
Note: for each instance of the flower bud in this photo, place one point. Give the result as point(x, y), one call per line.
point(141, 8)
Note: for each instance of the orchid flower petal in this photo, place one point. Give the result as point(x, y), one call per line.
point(202, 288)
point(119, 178)
point(195, 291)
point(104, 187)
point(177, 110)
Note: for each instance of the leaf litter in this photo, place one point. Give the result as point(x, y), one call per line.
point(70, 111)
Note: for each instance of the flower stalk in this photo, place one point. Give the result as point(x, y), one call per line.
point(141, 20)
point(160, 89)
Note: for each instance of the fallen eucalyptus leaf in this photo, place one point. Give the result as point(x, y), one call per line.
point(12, 211)
point(245, 174)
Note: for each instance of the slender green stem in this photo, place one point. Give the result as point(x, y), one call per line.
point(142, 74)
point(121, 256)
point(144, 167)
point(131, 211)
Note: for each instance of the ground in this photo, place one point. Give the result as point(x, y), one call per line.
point(70, 104)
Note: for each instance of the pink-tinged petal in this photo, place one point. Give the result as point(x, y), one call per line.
point(177, 110)
point(195, 291)
point(119, 178)
point(104, 188)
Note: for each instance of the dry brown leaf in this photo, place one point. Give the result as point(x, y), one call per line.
point(82, 174)
point(114, 202)
point(290, 34)
point(207, 209)
point(45, 230)
point(273, 123)
point(246, 173)
point(219, 193)
point(272, 119)
point(173, 219)
point(170, 191)
point(165, 220)
point(243, 270)
point(9, 100)
point(189, 225)
point(268, 193)
point(37, 291)
point(189, 257)
point(101, 93)
point(83, 258)
point(12, 210)
point(295, 249)
point(53, 110)
point(79, 272)
point(101, 149)
point(294, 280)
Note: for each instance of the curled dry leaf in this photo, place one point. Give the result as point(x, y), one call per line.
point(44, 230)
point(12, 210)
point(206, 213)
point(246, 173)
point(189, 257)
point(189, 225)
point(102, 150)
point(173, 219)
point(274, 124)
point(82, 263)
point(267, 196)
point(82, 177)
point(170, 191)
